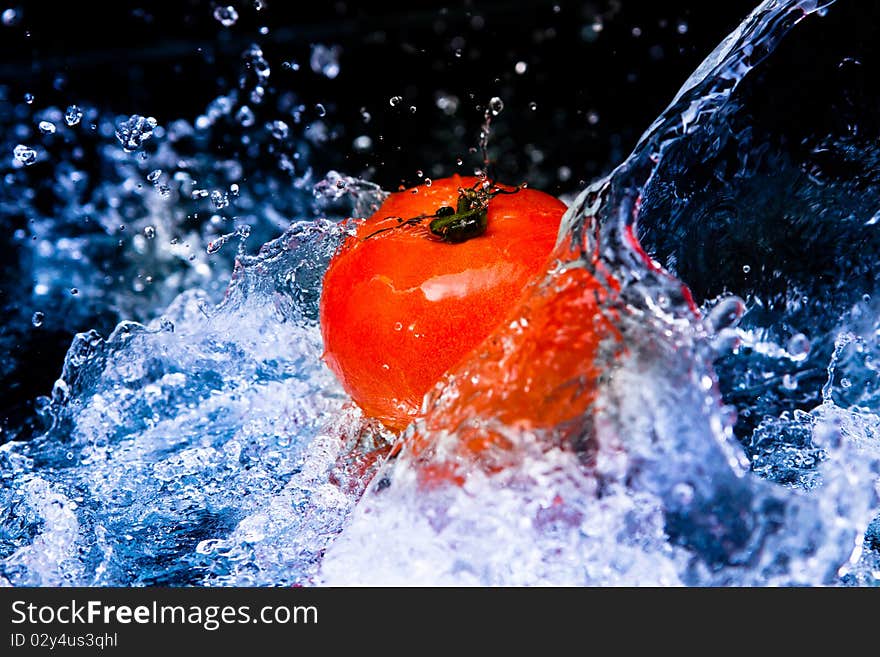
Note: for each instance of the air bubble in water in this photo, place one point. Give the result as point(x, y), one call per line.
point(520, 68)
point(798, 346)
point(227, 16)
point(325, 61)
point(29, 98)
point(74, 291)
point(321, 110)
point(73, 115)
point(496, 105)
point(153, 176)
point(533, 106)
point(149, 232)
point(37, 319)
point(25, 154)
point(134, 131)
point(746, 269)
point(47, 127)
point(394, 101)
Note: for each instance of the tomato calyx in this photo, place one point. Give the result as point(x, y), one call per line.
point(469, 219)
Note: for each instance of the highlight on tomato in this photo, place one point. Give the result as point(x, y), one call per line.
point(425, 280)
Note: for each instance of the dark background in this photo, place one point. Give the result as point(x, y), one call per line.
point(617, 62)
point(598, 73)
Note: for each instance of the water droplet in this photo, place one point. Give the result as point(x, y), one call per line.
point(789, 382)
point(520, 68)
point(325, 61)
point(74, 291)
point(134, 131)
point(245, 116)
point(153, 176)
point(420, 173)
point(254, 60)
point(592, 117)
point(394, 101)
point(29, 98)
point(234, 189)
point(428, 182)
point(362, 143)
point(149, 232)
point(73, 115)
point(533, 106)
point(726, 314)
point(227, 16)
point(47, 127)
point(321, 110)
point(25, 154)
point(412, 109)
point(798, 347)
point(279, 129)
point(9, 17)
point(746, 269)
point(448, 104)
point(682, 28)
point(496, 105)
point(459, 161)
point(37, 319)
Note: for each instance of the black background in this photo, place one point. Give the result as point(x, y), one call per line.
point(169, 60)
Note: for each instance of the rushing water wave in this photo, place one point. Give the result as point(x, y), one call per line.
point(726, 428)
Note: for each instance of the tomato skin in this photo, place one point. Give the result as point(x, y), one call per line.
point(401, 308)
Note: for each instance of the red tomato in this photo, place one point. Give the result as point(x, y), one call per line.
point(402, 304)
